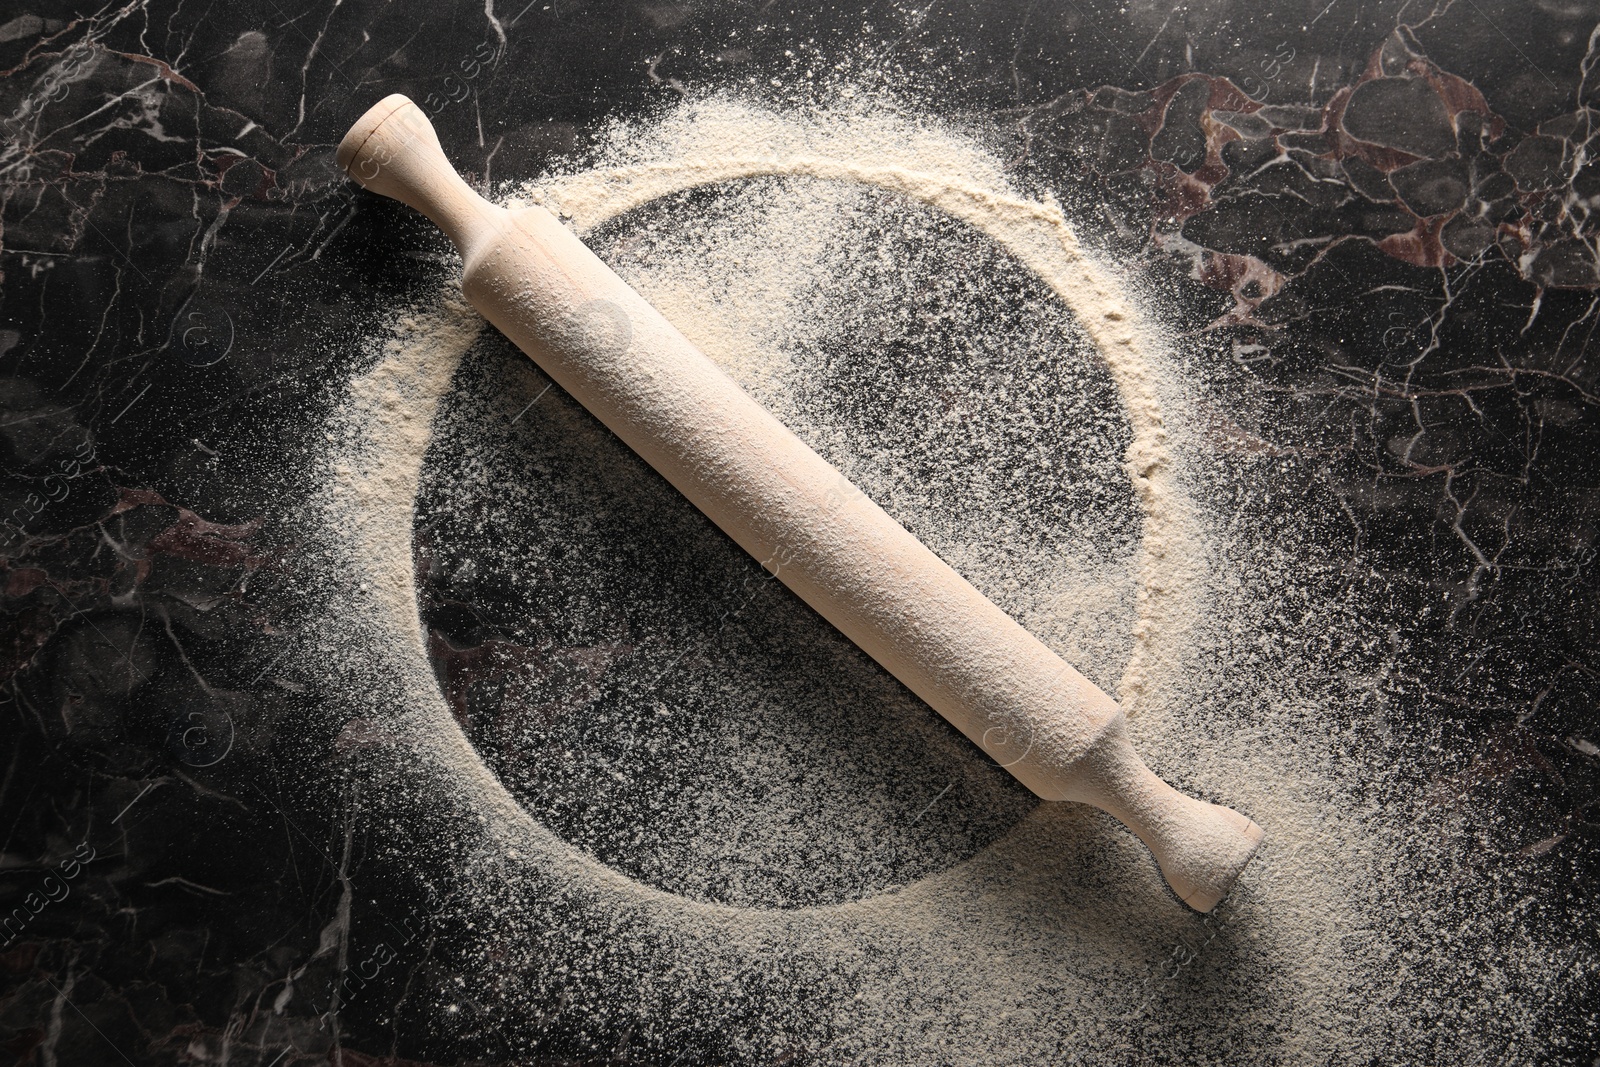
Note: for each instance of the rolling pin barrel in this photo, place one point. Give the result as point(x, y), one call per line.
point(585, 327)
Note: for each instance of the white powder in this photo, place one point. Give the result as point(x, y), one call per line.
point(1057, 941)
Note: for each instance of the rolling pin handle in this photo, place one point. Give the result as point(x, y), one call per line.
point(1200, 847)
point(393, 151)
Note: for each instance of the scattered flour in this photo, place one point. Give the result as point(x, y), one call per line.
point(1045, 933)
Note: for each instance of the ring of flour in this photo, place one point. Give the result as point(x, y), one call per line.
point(381, 434)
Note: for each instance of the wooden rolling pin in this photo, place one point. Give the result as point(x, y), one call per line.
point(602, 342)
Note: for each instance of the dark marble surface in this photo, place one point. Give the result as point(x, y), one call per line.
point(1384, 208)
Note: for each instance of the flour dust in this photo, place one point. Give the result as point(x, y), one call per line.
point(660, 793)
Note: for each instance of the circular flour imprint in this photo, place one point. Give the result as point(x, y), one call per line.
point(628, 672)
point(635, 680)
point(655, 757)
point(631, 675)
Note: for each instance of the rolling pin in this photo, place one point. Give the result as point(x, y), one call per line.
point(800, 517)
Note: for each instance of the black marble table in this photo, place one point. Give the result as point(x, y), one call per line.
point(1385, 209)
